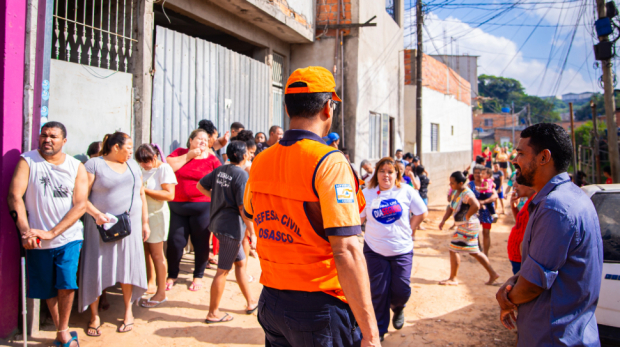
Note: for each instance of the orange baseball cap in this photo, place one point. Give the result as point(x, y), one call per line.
point(317, 79)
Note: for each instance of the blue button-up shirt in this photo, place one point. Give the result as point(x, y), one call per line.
point(563, 254)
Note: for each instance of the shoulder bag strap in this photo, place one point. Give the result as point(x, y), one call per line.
point(134, 186)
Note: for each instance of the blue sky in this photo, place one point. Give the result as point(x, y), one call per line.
point(503, 45)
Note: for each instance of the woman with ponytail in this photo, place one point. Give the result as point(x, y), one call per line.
point(115, 189)
point(159, 181)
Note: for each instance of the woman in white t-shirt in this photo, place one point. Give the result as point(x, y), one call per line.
point(393, 210)
point(159, 181)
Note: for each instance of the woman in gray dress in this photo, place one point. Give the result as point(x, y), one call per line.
point(113, 179)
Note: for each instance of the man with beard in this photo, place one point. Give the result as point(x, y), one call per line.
point(47, 197)
point(557, 289)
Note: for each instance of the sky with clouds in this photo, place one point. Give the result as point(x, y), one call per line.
point(545, 44)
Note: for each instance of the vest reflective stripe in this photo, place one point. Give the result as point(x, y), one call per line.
point(292, 255)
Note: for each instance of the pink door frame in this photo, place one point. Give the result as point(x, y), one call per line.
point(12, 44)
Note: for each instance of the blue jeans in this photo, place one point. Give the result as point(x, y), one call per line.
point(515, 267)
point(294, 318)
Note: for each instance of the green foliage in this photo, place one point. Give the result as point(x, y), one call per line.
point(583, 134)
point(505, 91)
point(559, 105)
point(584, 112)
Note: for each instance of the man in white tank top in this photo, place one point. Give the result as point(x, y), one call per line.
point(47, 197)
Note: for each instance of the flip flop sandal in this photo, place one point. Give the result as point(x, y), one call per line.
point(251, 279)
point(122, 330)
point(152, 304)
point(88, 329)
point(252, 310)
point(169, 285)
point(195, 287)
point(68, 344)
point(213, 261)
point(221, 320)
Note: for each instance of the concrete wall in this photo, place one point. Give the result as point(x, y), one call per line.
point(440, 166)
point(88, 105)
point(446, 111)
point(410, 118)
point(463, 65)
point(373, 73)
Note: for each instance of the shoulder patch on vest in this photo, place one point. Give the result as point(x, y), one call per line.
point(344, 194)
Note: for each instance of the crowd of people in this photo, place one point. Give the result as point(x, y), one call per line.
point(294, 200)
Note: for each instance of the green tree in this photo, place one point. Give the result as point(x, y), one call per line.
point(583, 133)
point(541, 110)
point(585, 112)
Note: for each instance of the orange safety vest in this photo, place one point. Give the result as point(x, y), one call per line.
point(291, 219)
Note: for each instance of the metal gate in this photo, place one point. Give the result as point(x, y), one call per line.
point(196, 79)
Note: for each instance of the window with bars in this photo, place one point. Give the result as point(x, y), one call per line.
point(98, 33)
point(277, 80)
point(434, 137)
point(488, 122)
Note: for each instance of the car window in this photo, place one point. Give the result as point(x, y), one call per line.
point(608, 209)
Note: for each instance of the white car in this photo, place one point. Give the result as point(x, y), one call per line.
point(606, 200)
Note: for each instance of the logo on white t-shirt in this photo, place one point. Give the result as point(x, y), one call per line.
point(388, 211)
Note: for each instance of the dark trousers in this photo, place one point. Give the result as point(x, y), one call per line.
point(390, 284)
point(490, 206)
point(188, 218)
point(306, 319)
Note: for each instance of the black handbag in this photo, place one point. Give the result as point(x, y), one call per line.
point(122, 228)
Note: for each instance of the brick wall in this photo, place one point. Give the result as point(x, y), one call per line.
point(327, 14)
point(437, 76)
point(498, 120)
point(499, 133)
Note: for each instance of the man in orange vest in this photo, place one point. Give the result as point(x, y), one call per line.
point(301, 195)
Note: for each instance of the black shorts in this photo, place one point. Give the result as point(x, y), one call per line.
point(503, 164)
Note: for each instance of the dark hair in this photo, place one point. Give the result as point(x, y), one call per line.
point(554, 138)
point(305, 105)
point(408, 155)
point(246, 136)
point(273, 129)
point(93, 148)
point(607, 169)
point(374, 181)
point(260, 132)
point(111, 140)
point(399, 150)
point(195, 133)
point(147, 152)
point(57, 125)
point(207, 126)
point(458, 177)
point(236, 126)
point(419, 170)
point(416, 158)
point(479, 159)
point(235, 151)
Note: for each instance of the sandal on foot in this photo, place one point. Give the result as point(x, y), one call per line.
point(152, 304)
point(194, 287)
point(212, 261)
point(97, 332)
point(123, 328)
point(68, 344)
point(169, 286)
point(252, 310)
point(221, 320)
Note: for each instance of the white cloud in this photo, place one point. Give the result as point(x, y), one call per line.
point(499, 55)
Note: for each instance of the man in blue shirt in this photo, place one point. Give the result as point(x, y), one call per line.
point(557, 289)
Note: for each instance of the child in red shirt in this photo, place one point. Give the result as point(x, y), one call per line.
point(522, 216)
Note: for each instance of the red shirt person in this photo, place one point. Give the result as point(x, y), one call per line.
point(522, 216)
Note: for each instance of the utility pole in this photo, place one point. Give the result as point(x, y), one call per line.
point(610, 105)
point(572, 135)
point(418, 89)
point(512, 117)
point(595, 148)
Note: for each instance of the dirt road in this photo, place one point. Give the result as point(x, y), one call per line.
point(466, 315)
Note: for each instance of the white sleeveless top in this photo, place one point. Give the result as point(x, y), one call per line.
point(49, 197)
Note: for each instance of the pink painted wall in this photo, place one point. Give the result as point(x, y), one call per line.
point(12, 45)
